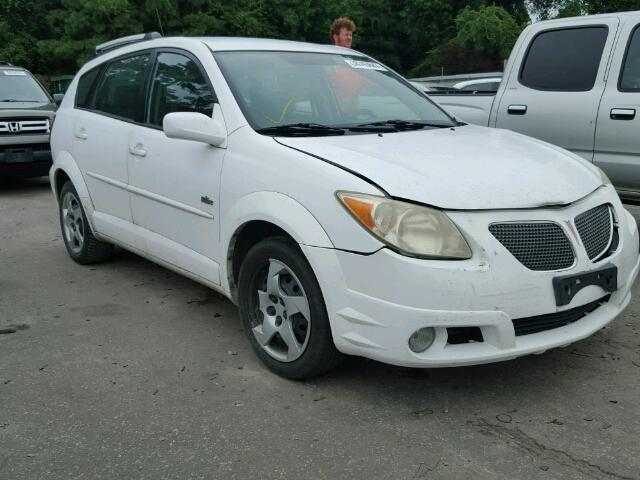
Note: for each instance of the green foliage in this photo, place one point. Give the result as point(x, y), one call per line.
point(57, 36)
point(545, 9)
point(489, 30)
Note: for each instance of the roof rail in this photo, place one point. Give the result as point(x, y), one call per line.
point(5, 64)
point(121, 42)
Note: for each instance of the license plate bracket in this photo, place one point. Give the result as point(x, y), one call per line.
point(566, 287)
point(18, 155)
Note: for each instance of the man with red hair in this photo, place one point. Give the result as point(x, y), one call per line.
point(341, 32)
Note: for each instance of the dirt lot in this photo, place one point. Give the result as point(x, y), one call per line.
point(126, 370)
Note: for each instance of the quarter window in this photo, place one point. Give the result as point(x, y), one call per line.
point(85, 86)
point(630, 79)
point(178, 85)
point(564, 60)
point(120, 89)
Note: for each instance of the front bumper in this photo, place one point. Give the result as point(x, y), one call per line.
point(375, 302)
point(28, 156)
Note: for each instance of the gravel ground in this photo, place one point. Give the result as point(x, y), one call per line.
point(127, 370)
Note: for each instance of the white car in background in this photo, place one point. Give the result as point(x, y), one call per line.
point(479, 85)
point(342, 210)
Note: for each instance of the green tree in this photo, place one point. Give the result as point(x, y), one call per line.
point(490, 30)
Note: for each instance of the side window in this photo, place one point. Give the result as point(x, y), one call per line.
point(630, 77)
point(120, 89)
point(178, 85)
point(85, 87)
point(564, 60)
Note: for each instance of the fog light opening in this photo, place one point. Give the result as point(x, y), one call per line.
point(422, 339)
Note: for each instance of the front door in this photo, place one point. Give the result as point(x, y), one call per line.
point(555, 95)
point(174, 184)
point(617, 142)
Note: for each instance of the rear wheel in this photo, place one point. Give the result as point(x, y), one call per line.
point(82, 246)
point(283, 311)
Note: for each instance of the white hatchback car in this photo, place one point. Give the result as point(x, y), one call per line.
point(341, 209)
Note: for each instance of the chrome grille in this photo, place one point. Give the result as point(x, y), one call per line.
point(595, 227)
point(537, 245)
point(24, 126)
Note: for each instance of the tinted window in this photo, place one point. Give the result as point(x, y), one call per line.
point(564, 60)
point(630, 80)
point(120, 90)
point(85, 85)
point(178, 85)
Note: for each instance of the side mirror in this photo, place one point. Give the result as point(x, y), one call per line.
point(193, 126)
point(57, 97)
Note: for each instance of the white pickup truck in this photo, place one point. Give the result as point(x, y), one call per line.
point(573, 82)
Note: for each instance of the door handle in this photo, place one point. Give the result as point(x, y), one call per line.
point(138, 150)
point(517, 109)
point(623, 113)
point(81, 134)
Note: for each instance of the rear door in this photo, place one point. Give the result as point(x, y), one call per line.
point(109, 100)
point(554, 96)
point(617, 133)
point(174, 184)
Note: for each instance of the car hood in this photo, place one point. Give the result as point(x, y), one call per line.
point(465, 168)
point(22, 106)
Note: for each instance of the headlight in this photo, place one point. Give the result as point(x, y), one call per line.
point(411, 229)
point(604, 178)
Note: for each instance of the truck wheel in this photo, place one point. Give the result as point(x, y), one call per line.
point(283, 311)
point(82, 246)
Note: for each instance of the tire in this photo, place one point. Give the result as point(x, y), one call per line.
point(309, 349)
point(78, 238)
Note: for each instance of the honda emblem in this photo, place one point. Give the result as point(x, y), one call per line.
point(15, 127)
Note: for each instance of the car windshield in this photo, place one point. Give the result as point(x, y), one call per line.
point(19, 86)
point(316, 90)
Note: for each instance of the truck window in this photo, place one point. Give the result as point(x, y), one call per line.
point(564, 60)
point(630, 77)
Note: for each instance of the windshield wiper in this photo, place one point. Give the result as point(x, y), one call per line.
point(301, 129)
point(18, 101)
point(401, 125)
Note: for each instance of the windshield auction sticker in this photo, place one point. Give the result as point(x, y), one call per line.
point(364, 64)
point(14, 73)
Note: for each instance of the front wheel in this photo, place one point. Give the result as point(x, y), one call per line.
point(283, 311)
point(82, 246)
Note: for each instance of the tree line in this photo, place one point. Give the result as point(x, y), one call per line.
point(415, 37)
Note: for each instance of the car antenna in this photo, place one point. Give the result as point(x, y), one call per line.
point(159, 22)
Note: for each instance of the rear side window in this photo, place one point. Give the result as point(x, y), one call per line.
point(85, 87)
point(630, 78)
point(564, 60)
point(120, 90)
point(178, 85)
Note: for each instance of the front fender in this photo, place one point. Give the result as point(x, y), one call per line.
point(278, 209)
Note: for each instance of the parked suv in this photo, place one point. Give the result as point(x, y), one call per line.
point(340, 208)
point(26, 117)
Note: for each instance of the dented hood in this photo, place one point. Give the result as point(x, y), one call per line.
point(466, 168)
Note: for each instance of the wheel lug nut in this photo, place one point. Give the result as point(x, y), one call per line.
point(271, 310)
point(278, 321)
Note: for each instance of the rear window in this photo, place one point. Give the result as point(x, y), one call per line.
point(630, 78)
point(120, 90)
point(564, 60)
